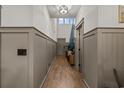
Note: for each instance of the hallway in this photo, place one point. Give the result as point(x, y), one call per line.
point(61, 46)
point(62, 75)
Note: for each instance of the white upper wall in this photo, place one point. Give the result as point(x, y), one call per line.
point(42, 21)
point(64, 31)
point(54, 28)
point(16, 15)
point(90, 15)
point(108, 16)
point(91, 18)
point(28, 15)
point(98, 16)
point(84, 11)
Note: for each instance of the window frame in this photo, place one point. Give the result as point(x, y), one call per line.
point(66, 21)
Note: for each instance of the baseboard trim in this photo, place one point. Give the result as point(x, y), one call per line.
point(86, 83)
point(47, 73)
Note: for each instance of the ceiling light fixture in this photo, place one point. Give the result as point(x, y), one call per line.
point(63, 9)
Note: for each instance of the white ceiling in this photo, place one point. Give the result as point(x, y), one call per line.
point(55, 14)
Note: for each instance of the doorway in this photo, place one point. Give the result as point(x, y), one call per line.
point(61, 42)
point(79, 46)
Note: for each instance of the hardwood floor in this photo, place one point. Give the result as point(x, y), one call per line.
point(62, 75)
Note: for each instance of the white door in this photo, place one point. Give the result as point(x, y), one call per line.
point(14, 67)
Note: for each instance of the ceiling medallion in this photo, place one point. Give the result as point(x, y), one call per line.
point(63, 9)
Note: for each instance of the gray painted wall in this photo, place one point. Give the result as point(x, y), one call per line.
point(29, 70)
point(103, 51)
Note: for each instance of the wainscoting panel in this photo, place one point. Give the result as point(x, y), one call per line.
point(26, 55)
point(103, 54)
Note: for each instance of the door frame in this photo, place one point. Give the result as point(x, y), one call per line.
point(79, 28)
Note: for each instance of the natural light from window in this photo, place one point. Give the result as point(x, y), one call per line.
point(66, 20)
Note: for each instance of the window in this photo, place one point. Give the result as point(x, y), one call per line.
point(66, 20)
point(61, 21)
point(71, 20)
point(74, 21)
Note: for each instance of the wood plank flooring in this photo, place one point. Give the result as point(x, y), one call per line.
point(62, 75)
